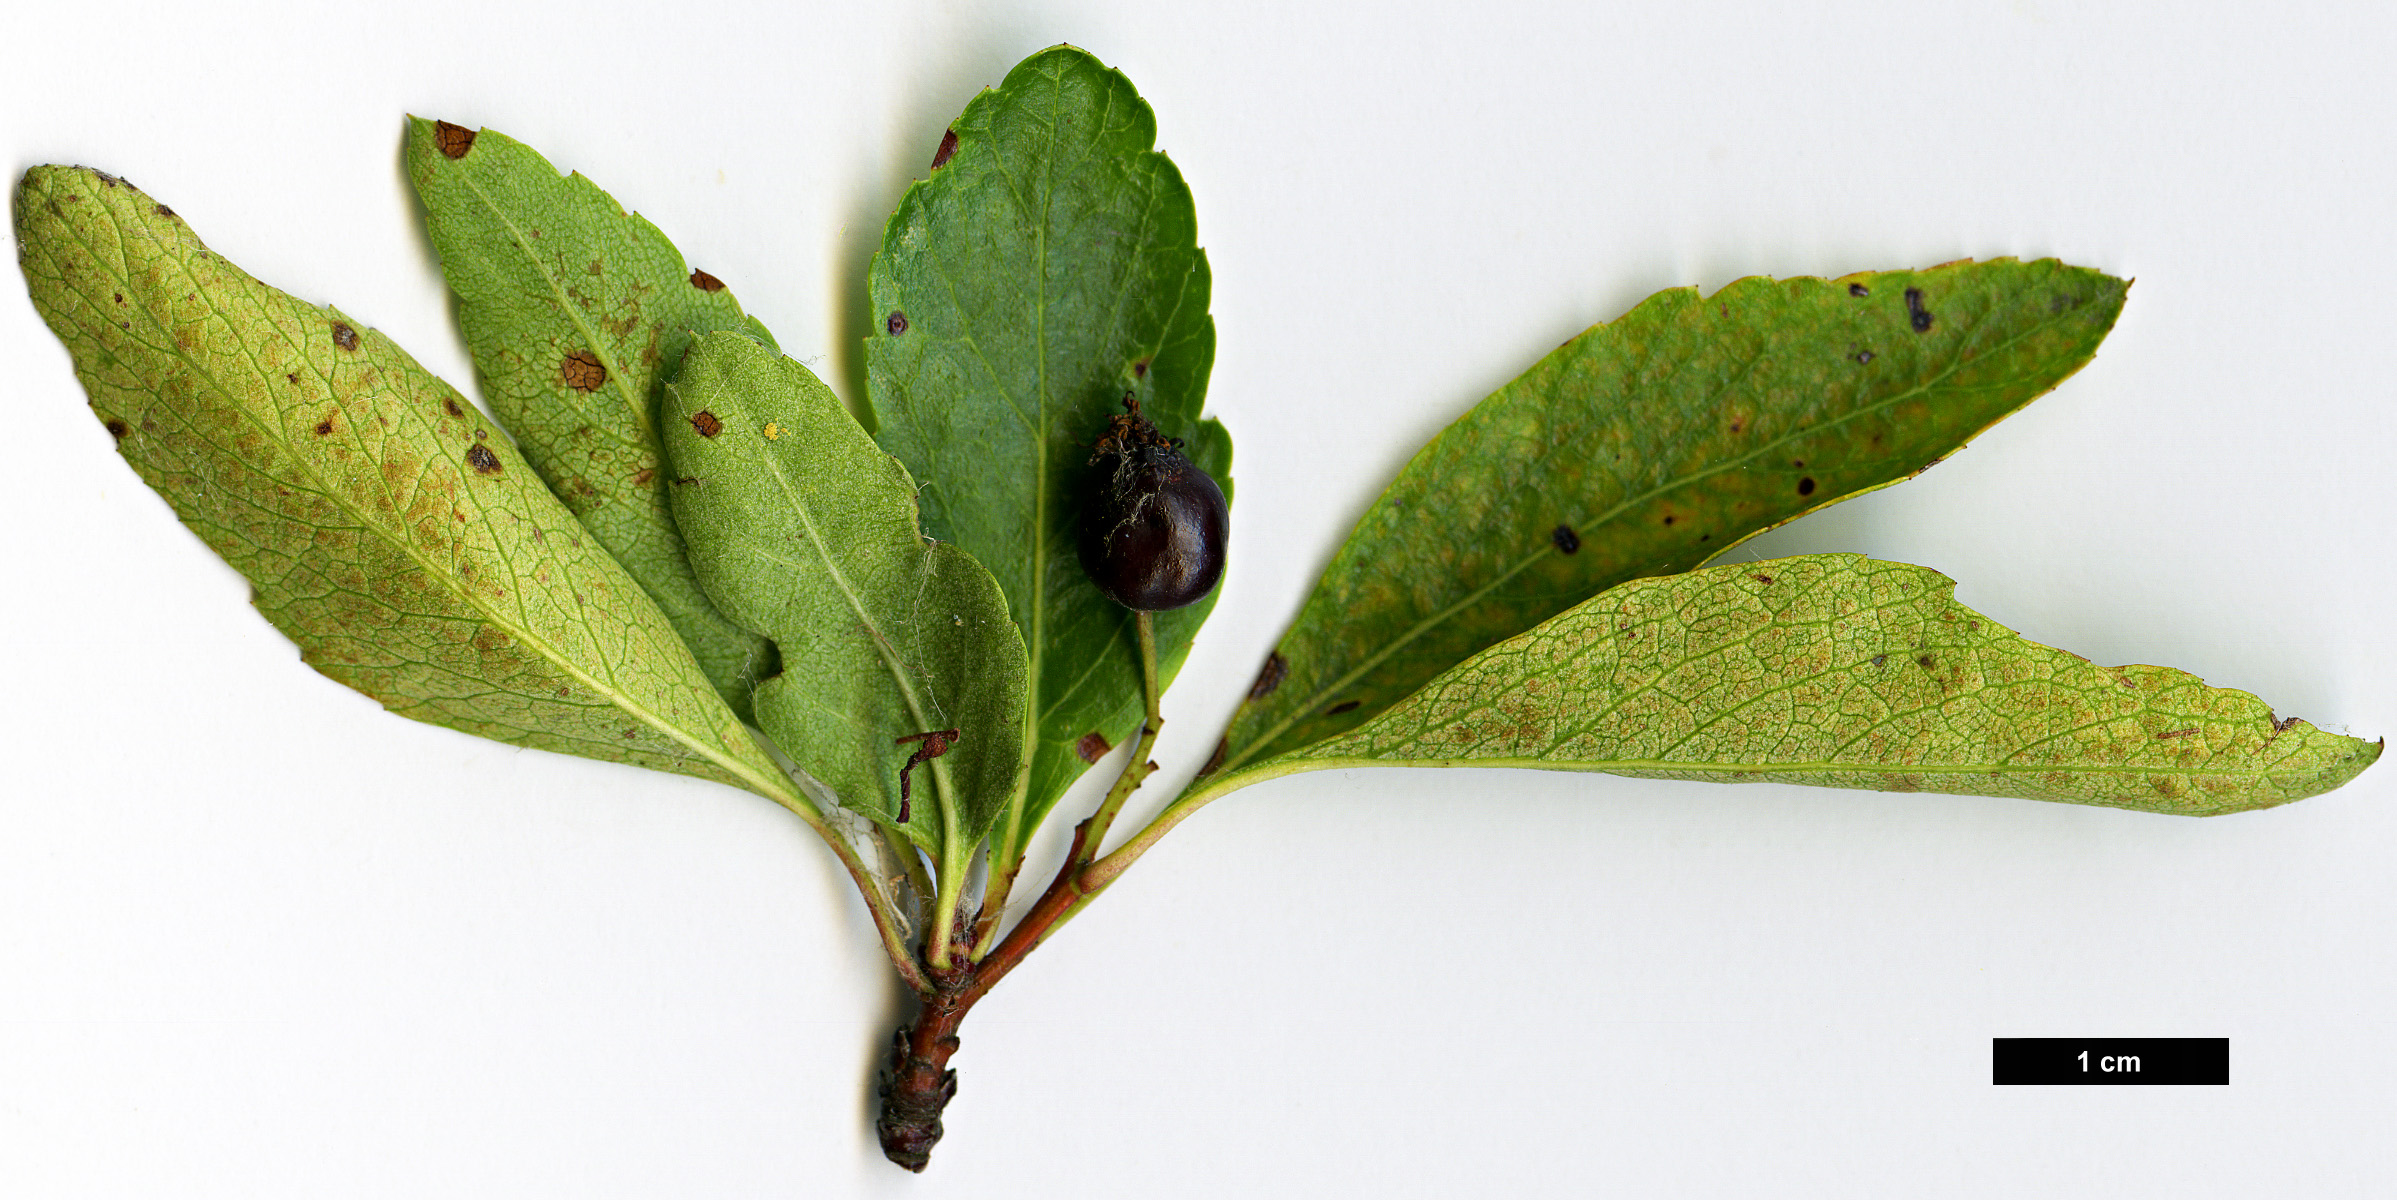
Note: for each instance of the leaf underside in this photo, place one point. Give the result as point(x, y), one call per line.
point(1653, 443)
point(387, 529)
point(576, 313)
point(801, 527)
point(1840, 671)
point(1049, 268)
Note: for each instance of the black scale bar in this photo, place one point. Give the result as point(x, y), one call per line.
point(2110, 1061)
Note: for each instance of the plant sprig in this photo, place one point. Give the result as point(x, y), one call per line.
point(685, 554)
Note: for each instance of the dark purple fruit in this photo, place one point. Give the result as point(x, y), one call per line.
point(1153, 524)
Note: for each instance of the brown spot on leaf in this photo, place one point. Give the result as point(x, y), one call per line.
point(1763, 578)
point(642, 478)
point(480, 457)
point(2281, 725)
point(120, 297)
point(1863, 357)
point(324, 428)
point(1223, 746)
point(687, 481)
point(1342, 707)
point(583, 371)
point(116, 428)
point(1924, 662)
point(948, 146)
point(706, 423)
point(1806, 486)
point(1858, 289)
point(705, 282)
point(1269, 676)
point(164, 211)
point(293, 377)
point(2175, 733)
point(1565, 539)
point(344, 336)
point(1140, 370)
point(451, 407)
point(1880, 660)
point(896, 323)
point(453, 140)
point(1092, 747)
point(1915, 312)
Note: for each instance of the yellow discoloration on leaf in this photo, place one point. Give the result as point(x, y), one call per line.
point(1840, 671)
point(409, 552)
point(1653, 443)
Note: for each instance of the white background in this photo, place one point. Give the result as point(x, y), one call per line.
point(260, 939)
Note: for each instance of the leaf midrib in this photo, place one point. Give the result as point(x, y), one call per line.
point(805, 514)
point(1427, 624)
point(591, 339)
point(1036, 645)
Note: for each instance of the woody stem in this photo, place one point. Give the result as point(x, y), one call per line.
point(918, 1082)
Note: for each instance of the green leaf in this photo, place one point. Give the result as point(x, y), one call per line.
point(576, 313)
point(801, 527)
point(408, 550)
point(1654, 443)
point(1048, 268)
point(1839, 671)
